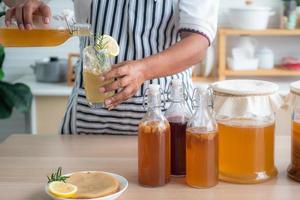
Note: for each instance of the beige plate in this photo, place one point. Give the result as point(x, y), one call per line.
point(123, 186)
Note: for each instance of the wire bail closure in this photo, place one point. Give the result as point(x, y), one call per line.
point(210, 99)
point(186, 95)
point(161, 94)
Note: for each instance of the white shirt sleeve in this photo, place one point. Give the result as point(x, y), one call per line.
point(200, 16)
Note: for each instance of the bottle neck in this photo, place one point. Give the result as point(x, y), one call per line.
point(80, 29)
point(177, 94)
point(201, 104)
point(203, 117)
point(154, 103)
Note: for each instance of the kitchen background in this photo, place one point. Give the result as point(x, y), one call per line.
point(18, 61)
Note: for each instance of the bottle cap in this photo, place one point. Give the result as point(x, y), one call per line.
point(154, 89)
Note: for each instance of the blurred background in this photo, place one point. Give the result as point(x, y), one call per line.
point(264, 36)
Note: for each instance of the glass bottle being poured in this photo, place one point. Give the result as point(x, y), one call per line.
point(154, 143)
point(178, 115)
point(61, 28)
point(202, 145)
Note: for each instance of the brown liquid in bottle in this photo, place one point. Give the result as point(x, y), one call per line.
point(178, 145)
point(202, 158)
point(246, 152)
point(154, 153)
point(294, 168)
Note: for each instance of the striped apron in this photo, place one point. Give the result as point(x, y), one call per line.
point(142, 28)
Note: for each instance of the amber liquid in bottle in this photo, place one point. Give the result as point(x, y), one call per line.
point(154, 153)
point(178, 145)
point(246, 152)
point(13, 37)
point(202, 158)
point(294, 168)
point(154, 143)
point(202, 144)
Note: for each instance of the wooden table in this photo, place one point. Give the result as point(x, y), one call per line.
point(25, 161)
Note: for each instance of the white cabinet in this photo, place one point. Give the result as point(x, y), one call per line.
point(48, 106)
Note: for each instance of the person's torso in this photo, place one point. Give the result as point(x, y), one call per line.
point(142, 28)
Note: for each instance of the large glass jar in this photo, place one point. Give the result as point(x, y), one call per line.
point(294, 168)
point(245, 112)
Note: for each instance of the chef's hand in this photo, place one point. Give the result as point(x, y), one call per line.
point(130, 76)
point(24, 11)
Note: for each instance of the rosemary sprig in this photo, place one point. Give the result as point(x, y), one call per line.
point(57, 176)
point(100, 43)
point(99, 46)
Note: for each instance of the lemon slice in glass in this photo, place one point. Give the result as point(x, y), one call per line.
point(61, 189)
point(111, 45)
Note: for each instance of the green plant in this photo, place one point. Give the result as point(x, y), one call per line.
point(16, 95)
point(298, 2)
point(2, 8)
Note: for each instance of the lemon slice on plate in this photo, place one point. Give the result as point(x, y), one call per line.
point(61, 189)
point(111, 45)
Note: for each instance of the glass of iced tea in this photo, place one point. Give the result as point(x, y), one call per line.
point(95, 63)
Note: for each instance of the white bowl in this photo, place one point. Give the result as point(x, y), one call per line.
point(242, 63)
point(123, 186)
point(250, 17)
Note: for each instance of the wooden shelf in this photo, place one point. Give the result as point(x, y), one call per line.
point(267, 32)
point(222, 52)
point(262, 72)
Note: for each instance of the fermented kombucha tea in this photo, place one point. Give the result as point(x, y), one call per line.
point(246, 112)
point(93, 67)
point(92, 83)
point(294, 168)
point(154, 154)
point(246, 150)
point(178, 115)
point(154, 143)
point(13, 37)
point(178, 143)
point(202, 158)
point(202, 145)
